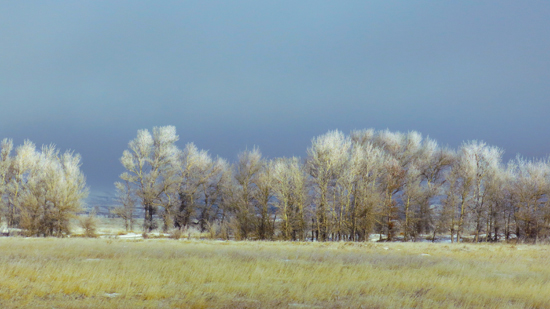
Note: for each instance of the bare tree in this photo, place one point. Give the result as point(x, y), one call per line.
point(202, 188)
point(463, 174)
point(5, 168)
point(391, 183)
point(290, 189)
point(49, 192)
point(299, 199)
point(348, 187)
point(220, 190)
point(263, 194)
point(531, 188)
point(68, 191)
point(486, 162)
point(447, 217)
point(150, 161)
point(23, 166)
point(433, 164)
point(327, 158)
point(127, 201)
point(215, 178)
point(282, 188)
point(367, 192)
point(248, 166)
point(412, 197)
point(189, 176)
point(497, 190)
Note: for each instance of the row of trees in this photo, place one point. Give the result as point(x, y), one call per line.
point(348, 187)
point(40, 190)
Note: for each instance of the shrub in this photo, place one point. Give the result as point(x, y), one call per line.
point(89, 224)
point(176, 234)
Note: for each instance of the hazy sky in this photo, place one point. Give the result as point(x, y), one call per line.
point(86, 75)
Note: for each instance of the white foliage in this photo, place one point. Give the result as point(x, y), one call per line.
point(392, 142)
point(151, 162)
point(43, 188)
point(328, 154)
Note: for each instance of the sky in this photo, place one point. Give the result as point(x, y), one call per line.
point(231, 75)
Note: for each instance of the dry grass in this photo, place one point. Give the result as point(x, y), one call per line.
point(114, 273)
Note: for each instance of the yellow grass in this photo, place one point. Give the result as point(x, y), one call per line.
point(166, 273)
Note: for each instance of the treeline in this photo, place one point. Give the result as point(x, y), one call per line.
point(348, 187)
point(40, 190)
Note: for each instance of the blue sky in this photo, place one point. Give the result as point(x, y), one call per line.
point(86, 75)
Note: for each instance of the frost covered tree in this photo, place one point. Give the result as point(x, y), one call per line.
point(5, 164)
point(263, 194)
point(327, 159)
point(248, 167)
point(149, 161)
point(463, 176)
point(214, 181)
point(498, 202)
point(531, 189)
point(402, 151)
point(343, 195)
point(367, 195)
point(473, 170)
point(21, 167)
point(65, 185)
point(41, 190)
point(127, 201)
point(433, 163)
point(488, 161)
point(391, 182)
point(347, 188)
point(290, 189)
point(189, 165)
point(435, 173)
point(202, 186)
point(412, 197)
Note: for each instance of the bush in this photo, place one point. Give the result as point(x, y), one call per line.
point(176, 234)
point(89, 224)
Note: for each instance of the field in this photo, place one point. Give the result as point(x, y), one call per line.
point(168, 273)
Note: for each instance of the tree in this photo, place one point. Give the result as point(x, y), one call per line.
point(498, 197)
point(290, 189)
point(463, 174)
point(487, 160)
point(150, 162)
point(327, 158)
point(213, 184)
point(46, 190)
point(21, 166)
point(68, 190)
point(5, 165)
point(349, 186)
point(263, 194)
point(531, 188)
point(367, 192)
point(248, 166)
point(127, 201)
point(400, 150)
point(189, 180)
point(412, 197)
point(434, 164)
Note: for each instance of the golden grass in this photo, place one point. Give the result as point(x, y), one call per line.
point(114, 273)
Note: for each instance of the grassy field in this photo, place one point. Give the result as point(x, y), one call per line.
point(166, 273)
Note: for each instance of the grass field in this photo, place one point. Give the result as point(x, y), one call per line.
point(166, 273)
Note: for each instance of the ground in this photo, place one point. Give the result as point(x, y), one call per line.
point(168, 273)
